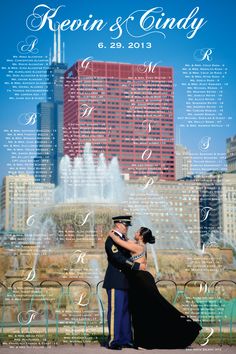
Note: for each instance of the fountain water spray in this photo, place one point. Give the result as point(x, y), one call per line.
point(86, 180)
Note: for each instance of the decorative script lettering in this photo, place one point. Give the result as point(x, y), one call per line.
point(138, 24)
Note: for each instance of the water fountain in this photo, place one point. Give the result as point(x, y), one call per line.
point(90, 192)
point(84, 181)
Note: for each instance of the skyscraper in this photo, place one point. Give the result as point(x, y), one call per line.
point(123, 110)
point(231, 154)
point(218, 206)
point(183, 161)
point(50, 120)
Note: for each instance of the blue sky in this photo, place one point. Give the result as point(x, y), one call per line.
point(175, 50)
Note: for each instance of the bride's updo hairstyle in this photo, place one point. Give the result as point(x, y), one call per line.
point(147, 235)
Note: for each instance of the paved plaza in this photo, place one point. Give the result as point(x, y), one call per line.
point(95, 348)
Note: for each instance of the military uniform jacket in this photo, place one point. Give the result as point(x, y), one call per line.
point(118, 264)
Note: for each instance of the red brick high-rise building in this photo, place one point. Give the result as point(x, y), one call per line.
point(124, 110)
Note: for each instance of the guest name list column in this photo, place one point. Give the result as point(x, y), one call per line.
point(205, 84)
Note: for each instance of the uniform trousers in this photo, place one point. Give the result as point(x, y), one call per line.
point(118, 316)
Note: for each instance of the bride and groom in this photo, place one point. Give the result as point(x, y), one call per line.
point(134, 301)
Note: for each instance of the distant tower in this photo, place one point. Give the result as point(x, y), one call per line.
point(50, 119)
point(183, 162)
point(231, 154)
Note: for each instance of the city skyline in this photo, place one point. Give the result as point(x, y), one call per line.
point(161, 52)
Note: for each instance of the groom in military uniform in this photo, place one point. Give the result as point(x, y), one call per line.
point(116, 285)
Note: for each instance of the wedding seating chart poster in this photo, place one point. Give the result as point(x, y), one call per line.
point(107, 109)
